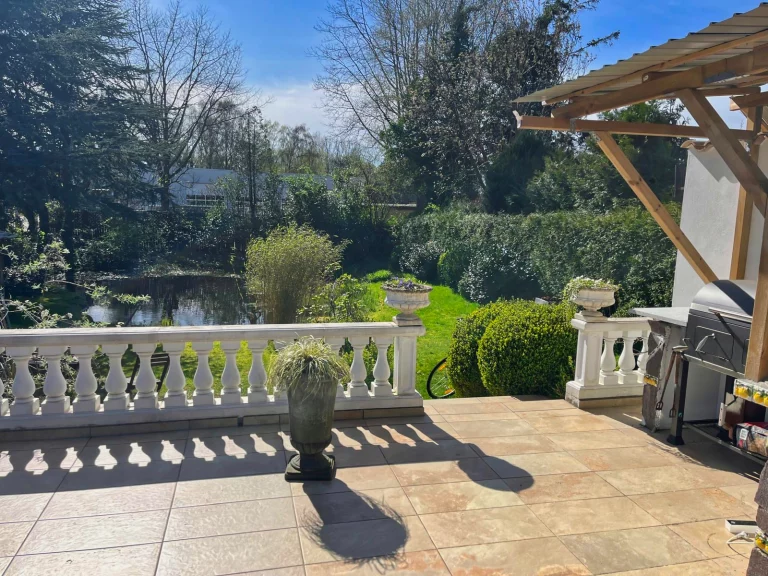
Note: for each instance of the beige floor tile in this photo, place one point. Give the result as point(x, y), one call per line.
point(228, 466)
point(232, 431)
point(744, 492)
point(322, 509)
point(538, 557)
point(457, 496)
point(232, 518)
point(212, 447)
point(106, 501)
point(562, 487)
point(95, 532)
point(702, 568)
point(135, 475)
point(453, 407)
point(582, 516)
point(623, 550)
point(368, 539)
point(4, 562)
point(539, 405)
point(408, 433)
point(356, 456)
point(230, 554)
point(450, 418)
point(494, 399)
point(292, 571)
point(458, 401)
point(48, 444)
point(138, 438)
point(22, 507)
point(715, 478)
point(652, 480)
point(427, 451)
point(691, 505)
point(134, 453)
point(564, 424)
point(733, 565)
point(507, 446)
point(521, 465)
point(623, 458)
point(470, 527)
point(363, 478)
point(129, 561)
point(39, 459)
point(708, 537)
point(544, 415)
point(236, 489)
point(22, 482)
point(595, 440)
point(492, 428)
point(12, 535)
point(426, 563)
point(440, 472)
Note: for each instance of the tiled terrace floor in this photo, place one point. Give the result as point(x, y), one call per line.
point(491, 486)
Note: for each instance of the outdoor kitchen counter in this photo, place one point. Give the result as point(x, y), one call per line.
point(677, 315)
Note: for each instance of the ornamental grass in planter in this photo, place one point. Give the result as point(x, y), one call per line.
point(309, 371)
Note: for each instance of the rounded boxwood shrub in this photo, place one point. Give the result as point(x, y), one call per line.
point(528, 349)
point(462, 357)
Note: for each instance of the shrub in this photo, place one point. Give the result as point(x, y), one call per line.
point(286, 268)
point(462, 356)
point(527, 349)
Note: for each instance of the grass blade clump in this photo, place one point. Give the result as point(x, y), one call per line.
point(308, 362)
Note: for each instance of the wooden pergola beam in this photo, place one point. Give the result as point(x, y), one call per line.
point(718, 49)
point(750, 101)
point(651, 202)
point(747, 172)
point(615, 127)
point(731, 91)
point(741, 65)
point(757, 353)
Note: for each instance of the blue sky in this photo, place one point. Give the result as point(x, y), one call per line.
point(276, 36)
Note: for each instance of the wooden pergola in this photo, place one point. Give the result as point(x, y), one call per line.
point(728, 58)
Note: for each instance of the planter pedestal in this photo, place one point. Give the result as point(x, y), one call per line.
point(311, 467)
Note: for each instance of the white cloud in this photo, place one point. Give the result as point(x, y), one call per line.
point(295, 104)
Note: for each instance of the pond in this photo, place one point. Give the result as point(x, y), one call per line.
point(178, 301)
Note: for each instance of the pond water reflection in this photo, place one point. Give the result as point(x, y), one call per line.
point(178, 300)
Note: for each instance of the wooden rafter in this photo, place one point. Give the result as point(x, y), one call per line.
point(644, 193)
point(750, 101)
point(731, 91)
point(751, 177)
point(744, 209)
point(718, 49)
point(741, 65)
point(757, 352)
point(615, 127)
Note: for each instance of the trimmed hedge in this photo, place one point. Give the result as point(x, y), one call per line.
point(528, 349)
point(462, 356)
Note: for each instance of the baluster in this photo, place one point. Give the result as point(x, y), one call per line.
point(405, 366)
point(24, 403)
point(279, 394)
point(257, 376)
point(175, 381)
point(145, 382)
point(203, 380)
point(85, 384)
point(116, 383)
point(55, 385)
point(230, 377)
point(627, 361)
point(642, 359)
point(381, 385)
point(3, 401)
point(336, 344)
point(357, 386)
point(608, 374)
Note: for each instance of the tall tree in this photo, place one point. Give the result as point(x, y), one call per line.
point(64, 110)
point(191, 69)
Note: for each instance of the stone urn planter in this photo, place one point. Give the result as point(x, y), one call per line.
point(406, 296)
point(309, 372)
point(591, 295)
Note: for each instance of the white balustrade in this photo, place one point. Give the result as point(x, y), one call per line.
point(597, 377)
point(88, 409)
point(3, 401)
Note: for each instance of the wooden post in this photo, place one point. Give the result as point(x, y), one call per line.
point(664, 219)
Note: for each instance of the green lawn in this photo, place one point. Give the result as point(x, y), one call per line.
point(439, 319)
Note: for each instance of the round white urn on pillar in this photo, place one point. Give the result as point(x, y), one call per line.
point(593, 299)
point(406, 297)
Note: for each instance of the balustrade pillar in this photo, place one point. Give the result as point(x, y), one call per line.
point(24, 401)
point(175, 381)
point(230, 377)
point(85, 383)
point(381, 372)
point(55, 385)
point(405, 366)
point(3, 401)
point(116, 383)
point(642, 359)
point(203, 380)
point(145, 382)
point(335, 344)
point(257, 376)
point(627, 361)
point(608, 374)
point(357, 387)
